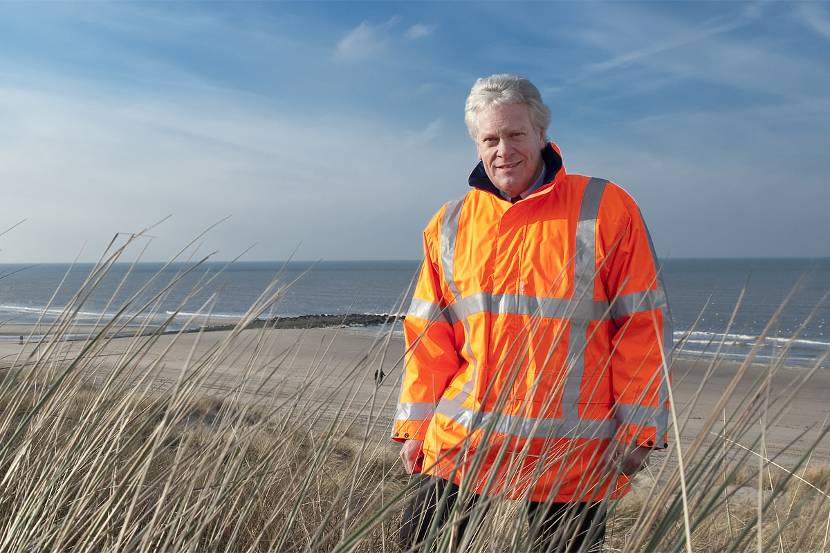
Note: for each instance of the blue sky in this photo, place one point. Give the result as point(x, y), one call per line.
point(339, 127)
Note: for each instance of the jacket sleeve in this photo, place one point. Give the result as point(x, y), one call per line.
point(431, 358)
point(641, 338)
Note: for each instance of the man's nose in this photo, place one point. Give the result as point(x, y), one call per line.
point(505, 148)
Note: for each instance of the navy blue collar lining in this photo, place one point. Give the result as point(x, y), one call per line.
point(479, 179)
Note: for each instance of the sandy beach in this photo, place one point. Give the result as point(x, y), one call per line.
point(336, 366)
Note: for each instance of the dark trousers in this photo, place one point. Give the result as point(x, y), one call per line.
point(554, 527)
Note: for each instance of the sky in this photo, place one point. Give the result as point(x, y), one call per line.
point(334, 131)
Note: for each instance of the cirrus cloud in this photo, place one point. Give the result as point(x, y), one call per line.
point(419, 30)
point(365, 41)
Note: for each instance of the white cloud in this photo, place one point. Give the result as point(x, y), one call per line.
point(657, 49)
point(429, 133)
point(419, 30)
point(83, 166)
point(815, 17)
point(682, 39)
point(364, 41)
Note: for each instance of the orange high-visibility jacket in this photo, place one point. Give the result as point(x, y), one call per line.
point(538, 333)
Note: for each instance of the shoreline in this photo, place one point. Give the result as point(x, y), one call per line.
point(361, 323)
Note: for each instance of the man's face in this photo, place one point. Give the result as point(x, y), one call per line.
point(510, 147)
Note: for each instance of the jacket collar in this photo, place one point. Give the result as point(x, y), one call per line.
point(554, 168)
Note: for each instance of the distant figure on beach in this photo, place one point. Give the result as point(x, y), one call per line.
point(537, 339)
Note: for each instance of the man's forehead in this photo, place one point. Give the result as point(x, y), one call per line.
point(504, 117)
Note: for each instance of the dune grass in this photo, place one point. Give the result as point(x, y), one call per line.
point(102, 450)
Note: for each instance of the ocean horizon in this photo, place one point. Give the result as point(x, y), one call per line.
point(703, 293)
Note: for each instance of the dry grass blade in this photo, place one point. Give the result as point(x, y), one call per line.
point(254, 439)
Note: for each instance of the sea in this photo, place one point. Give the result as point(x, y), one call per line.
point(718, 306)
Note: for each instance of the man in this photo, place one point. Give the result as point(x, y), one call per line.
point(536, 340)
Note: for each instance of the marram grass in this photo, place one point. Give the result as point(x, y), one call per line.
point(101, 449)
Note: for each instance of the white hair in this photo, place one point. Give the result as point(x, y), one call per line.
point(505, 89)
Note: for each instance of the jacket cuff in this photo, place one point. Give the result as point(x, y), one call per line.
point(641, 436)
point(410, 430)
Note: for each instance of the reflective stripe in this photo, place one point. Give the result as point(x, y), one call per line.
point(469, 387)
point(426, 310)
point(637, 302)
point(642, 415)
point(585, 262)
point(531, 305)
point(529, 427)
point(586, 236)
point(469, 305)
point(535, 306)
point(558, 308)
point(516, 304)
point(449, 234)
point(414, 411)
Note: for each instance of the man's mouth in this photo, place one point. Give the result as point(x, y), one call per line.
point(508, 165)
